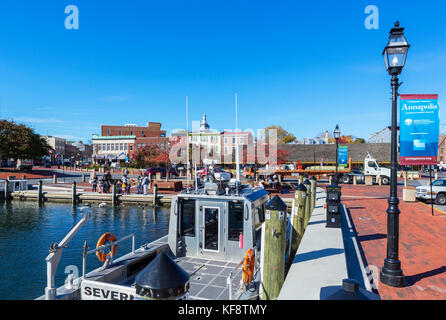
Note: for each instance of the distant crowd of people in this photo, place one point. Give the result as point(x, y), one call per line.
point(103, 184)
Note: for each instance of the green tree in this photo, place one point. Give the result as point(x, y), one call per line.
point(21, 142)
point(283, 136)
point(359, 140)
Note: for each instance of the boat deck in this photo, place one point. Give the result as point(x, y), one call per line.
point(208, 277)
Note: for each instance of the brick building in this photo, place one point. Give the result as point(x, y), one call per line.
point(117, 143)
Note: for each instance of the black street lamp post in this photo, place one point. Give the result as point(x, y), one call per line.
point(337, 135)
point(395, 57)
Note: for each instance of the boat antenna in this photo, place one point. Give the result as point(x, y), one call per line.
point(187, 143)
point(237, 156)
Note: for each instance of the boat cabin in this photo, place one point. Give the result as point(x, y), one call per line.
point(216, 224)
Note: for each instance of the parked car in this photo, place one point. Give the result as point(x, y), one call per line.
point(438, 192)
point(219, 174)
point(163, 171)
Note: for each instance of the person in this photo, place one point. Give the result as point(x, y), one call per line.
point(125, 182)
point(260, 185)
point(275, 182)
point(145, 184)
point(94, 183)
point(269, 181)
point(139, 191)
point(101, 185)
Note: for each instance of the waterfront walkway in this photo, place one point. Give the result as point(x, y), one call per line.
point(422, 241)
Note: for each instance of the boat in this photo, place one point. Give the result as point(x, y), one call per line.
point(212, 251)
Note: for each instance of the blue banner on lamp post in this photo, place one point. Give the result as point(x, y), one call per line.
point(419, 129)
point(343, 156)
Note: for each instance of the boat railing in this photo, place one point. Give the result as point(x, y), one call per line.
point(102, 248)
point(229, 281)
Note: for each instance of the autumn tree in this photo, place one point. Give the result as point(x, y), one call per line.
point(283, 136)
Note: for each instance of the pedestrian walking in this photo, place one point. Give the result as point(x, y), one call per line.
point(145, 184)
point(139, 191)
point(94, 183)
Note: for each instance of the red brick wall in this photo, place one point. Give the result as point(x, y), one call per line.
point(152, 130)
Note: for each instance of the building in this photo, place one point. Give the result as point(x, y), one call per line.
point(153, 129)
point(229, 141)
point(120, 143)
point(207, 139)
point(442, 150)
point(315, 154)
point(316, 140)
point(112, 148)
point(383, 136)
point(57, 144)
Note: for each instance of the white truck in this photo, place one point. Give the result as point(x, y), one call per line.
point(371, 168)
point(438, 192)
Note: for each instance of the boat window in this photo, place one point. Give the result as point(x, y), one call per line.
point(235, 220)
point(187, 217)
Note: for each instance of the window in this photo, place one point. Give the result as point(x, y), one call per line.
point(125, 146)
point(99, 147)
point(233, 140)
point(120, 132)
point(103, 147)
point(187, 218)
point(108, 132)
point(226, 140)
point(142, 133)
point(439, 183)
point(131, 147)
point(235, 220)
point(131, 132)
point(372, 164)
point(112, 146)
point(108, 146)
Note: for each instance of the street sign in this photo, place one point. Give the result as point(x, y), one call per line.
point(419, 129)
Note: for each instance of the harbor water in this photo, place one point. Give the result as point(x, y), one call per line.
point(27, 231)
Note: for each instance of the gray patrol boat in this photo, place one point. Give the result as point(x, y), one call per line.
point(212, 251)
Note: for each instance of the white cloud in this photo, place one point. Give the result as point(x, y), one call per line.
point(36, 120)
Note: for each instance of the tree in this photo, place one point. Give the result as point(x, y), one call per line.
point(359, 140)
point(342, 140)
point(21, 142)
point(283, 136)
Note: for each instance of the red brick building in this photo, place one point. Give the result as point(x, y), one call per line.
point(153, 129)
point(118, 142)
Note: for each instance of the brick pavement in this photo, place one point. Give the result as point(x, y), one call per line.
point(422, 241)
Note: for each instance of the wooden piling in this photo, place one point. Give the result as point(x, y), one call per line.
point(313, 193)
point(114, 193)
point(73, 190)
point(7, 194)
point(155, 195)
point(297, 214)
point(355, 181)
point(40, 192)
point(307, 209)
point(273, 268)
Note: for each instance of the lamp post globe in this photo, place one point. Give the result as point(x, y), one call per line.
point(394, 58)
point(337, 135)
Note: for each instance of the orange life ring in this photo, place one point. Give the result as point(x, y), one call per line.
point(102, 240)
point(248, 266)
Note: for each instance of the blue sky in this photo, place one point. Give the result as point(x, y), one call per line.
point(303, 65)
